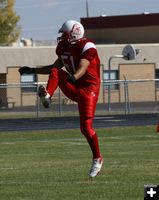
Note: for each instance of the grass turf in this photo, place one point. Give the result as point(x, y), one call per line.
point(53, 165)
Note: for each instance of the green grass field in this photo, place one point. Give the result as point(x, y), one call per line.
point(53, 165)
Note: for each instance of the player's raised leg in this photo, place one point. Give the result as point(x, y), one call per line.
point(46, 94)
point(57, 77)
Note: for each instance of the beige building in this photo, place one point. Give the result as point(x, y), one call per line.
point(145, 66)
point(141, 28)
point(110, 39)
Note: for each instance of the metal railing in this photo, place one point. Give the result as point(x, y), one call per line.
point(63, 105)
point(126, 83)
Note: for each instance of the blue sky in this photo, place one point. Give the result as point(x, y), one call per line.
point(41, 19)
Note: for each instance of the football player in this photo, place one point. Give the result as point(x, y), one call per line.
point(80, 81)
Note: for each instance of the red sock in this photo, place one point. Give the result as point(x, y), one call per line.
point(93, 143)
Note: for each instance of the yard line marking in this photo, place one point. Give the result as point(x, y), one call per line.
point(74, 143)
point(116, 138)
point(7, 168)
point(7, 143)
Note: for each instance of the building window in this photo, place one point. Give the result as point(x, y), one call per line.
point(114, 75)
point(157, 77)
point(28, 79)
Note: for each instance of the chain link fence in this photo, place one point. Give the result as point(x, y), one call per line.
point(130, 96)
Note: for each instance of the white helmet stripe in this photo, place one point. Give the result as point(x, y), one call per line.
point(87, 46)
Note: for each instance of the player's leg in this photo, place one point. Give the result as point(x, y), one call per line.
point(87, 100)
point(67, 88)
point(46, 94)
point(57, 77)
point(53, 81)
point(87, 104)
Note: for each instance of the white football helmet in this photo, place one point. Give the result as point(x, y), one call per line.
point(71, 31)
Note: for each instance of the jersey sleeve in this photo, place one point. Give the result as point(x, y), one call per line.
point(89, 51)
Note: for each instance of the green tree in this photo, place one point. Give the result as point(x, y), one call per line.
point(9, 30)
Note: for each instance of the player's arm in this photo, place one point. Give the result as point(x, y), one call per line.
point(40, 70)
point(82, 68)
point(86, 58)
point(46, 69)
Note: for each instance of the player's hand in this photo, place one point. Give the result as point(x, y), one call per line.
point(26, 70)
point(71, 79)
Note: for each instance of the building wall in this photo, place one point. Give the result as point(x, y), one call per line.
point(15, 94)
point(141, 91)
point(26, 56)
point(142, 67)
point(149, 54)
point(3, 91)
point(124, 35)
point(122, 29)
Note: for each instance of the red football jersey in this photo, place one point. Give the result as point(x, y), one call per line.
point(71, 54)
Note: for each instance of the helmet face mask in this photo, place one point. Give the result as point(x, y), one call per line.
point(64, 38)
point(71, 31)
